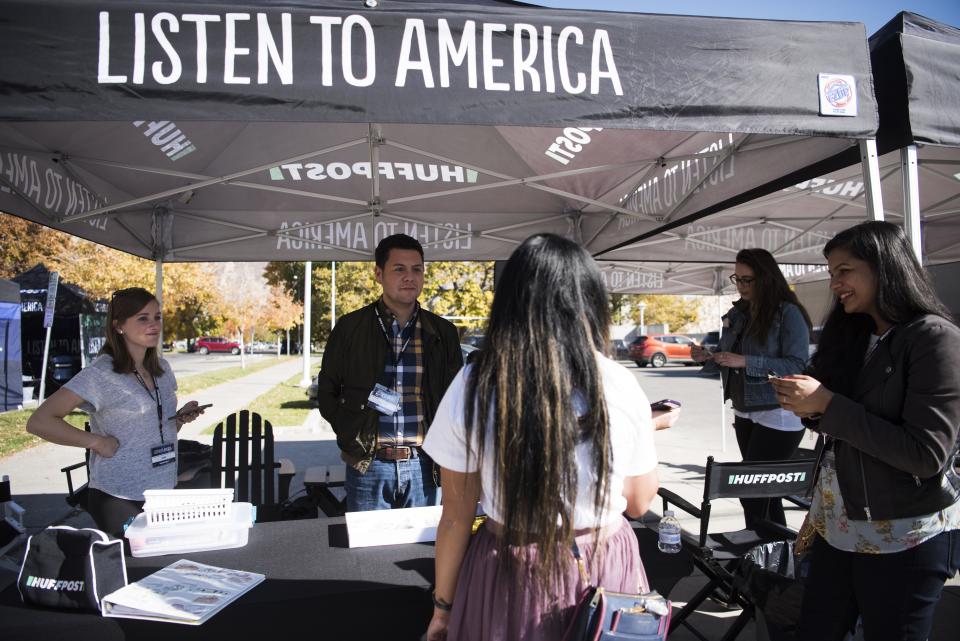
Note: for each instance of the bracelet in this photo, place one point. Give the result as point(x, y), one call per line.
point(441, 604)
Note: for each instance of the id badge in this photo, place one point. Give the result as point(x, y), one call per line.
point(163, 454)
point(384, 400)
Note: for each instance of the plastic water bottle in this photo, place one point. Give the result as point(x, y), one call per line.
point(669, 531)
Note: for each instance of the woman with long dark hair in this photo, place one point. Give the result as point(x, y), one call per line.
point(767, 330)
point(555, 440)
point(884, 393)
point(130, 394)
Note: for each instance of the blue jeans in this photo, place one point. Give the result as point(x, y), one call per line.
point(391, 484)
point(894, 594)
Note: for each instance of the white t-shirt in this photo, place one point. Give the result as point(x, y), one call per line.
point(631, 434)
point(121, 407)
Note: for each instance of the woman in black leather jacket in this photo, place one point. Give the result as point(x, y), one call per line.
point(884, 392)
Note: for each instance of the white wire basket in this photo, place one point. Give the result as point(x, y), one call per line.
point(174, 507)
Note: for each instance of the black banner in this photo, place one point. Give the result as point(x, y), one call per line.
point(470, 63)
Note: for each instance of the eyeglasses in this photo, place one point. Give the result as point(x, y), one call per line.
point(746, 280)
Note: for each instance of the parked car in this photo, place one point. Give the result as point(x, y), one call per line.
point(619, 349)
point(261, 347)
point(474, 340)
point(207, 344)
point(659, 349)
point(465, 350)
point(711, 341)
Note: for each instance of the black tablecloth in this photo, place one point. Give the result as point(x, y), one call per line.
point(314, 583)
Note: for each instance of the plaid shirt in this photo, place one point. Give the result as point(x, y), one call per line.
point(403, 373)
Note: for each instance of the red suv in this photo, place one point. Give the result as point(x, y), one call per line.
point(658, 349)
point(207, 344)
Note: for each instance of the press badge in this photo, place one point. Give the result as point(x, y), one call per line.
point(384, 400)
point(163, 454)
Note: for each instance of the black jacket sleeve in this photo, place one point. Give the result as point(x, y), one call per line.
point(330, 378)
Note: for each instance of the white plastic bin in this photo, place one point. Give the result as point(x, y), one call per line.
point(165, 508)
point(191, 537)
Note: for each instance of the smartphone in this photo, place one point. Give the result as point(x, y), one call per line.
point(772, 374)
point(664, 405)
point(196, 409)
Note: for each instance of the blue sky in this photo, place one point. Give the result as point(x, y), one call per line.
point(872, 13)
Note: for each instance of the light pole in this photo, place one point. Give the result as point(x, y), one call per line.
point(643, 326)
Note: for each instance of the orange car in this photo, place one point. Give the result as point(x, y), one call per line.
point(659, 349)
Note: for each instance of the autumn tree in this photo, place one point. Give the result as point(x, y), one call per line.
point(282, 312)
point(459, 289)
point(676, 311)
point(450, 289)
point(25, 244)
point(192, 301)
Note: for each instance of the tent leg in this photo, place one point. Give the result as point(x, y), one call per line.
point(718, 287)
point(871, 178)
point(911, 198)
point(158, 292)
point(723, 418)
point(305, 347)
point(333, 294)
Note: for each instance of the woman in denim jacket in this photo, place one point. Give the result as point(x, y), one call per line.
point(766, 332)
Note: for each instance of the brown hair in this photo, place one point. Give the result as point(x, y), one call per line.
point(770, 289)
point(125, 303)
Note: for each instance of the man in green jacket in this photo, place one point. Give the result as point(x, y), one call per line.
point(384, 372)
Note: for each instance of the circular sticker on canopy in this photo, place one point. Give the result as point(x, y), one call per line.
point(838, 95)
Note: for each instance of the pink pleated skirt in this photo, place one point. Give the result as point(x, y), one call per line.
point(491, 605)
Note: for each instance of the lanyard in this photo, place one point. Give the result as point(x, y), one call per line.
point(156, 395)
point(390, 342)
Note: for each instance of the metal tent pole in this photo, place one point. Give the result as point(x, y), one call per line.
point(911, 198)
point(871, 179)
point(333, 294)
point(158, 293)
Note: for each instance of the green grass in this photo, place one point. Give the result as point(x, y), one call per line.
point(285, 404)
point(14, 437)
point(13, 433)
point(190, 384)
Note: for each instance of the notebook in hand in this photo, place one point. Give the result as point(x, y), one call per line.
point(183, 592)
